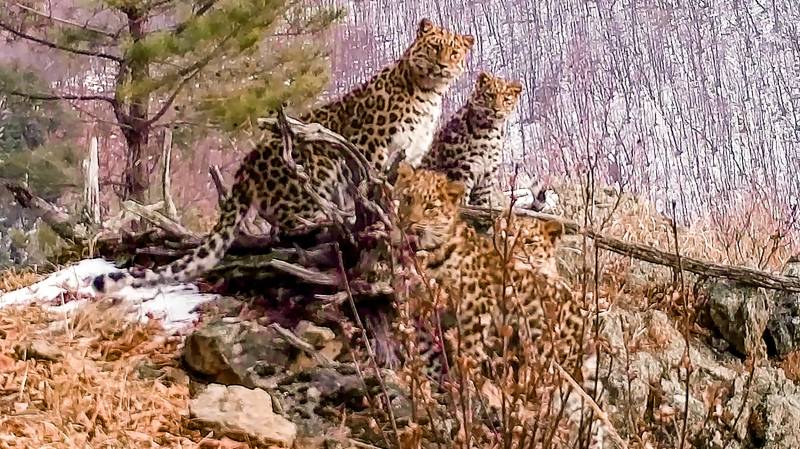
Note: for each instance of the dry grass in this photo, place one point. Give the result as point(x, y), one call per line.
point(13, 279)
point(748, 235)
point(93, 396)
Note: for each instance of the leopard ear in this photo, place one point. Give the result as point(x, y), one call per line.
point(455, 191)
point(515, 87)
point(483, 79)
point(468, 39)
point(404, 170)
point(552, 230)
point(425, 26)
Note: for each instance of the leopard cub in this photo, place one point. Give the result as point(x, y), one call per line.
point(468, 148)
point(488, 291)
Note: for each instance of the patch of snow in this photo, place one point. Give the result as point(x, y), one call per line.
point(174, 305)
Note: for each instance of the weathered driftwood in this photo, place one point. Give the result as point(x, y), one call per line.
point(170, 226)
point(166, 176)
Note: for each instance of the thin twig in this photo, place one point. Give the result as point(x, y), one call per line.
point(687, 362)
point(364, 337)
point(601, 415)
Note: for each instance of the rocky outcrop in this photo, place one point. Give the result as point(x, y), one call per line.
point(740, 314)
point(241, 414)
point(729, 405)
point(231, 352)
point(783, 329)
point(650, 379)
point(316, 398)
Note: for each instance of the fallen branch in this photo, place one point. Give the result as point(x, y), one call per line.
point(303, 345)
point(216, 176)
point(169, 226)
point(742, 275)
point(306, 274)
point(58, 220)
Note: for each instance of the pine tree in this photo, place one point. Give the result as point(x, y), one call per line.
point(37, 140)
point(223, 61)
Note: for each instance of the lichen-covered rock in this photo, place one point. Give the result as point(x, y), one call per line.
point(783, 329)
point(236, 352)
point(740, 314)
point(315, 335)
point(242, 414)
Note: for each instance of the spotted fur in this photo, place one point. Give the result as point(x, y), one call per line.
point(468, 148)
point(527, 296)
point(527, 240)
point(397, 109)
point(470, 268)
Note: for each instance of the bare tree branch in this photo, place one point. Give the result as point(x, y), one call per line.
point(47, 97)
point(58, 220)
point(46, 43)
point(172, 97)
point(65, 21)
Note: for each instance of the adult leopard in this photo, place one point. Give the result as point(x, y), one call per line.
point(397, 109)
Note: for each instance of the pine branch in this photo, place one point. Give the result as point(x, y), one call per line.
point(188, 73)
point(172, 97)
point(204, 7)
point(46, 43)
point(45, 97)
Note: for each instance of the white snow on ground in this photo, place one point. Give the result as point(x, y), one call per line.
point(174, 305)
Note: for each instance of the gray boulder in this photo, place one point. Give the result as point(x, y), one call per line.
point(783, 329)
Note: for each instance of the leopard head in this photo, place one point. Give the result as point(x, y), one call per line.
point(437, 56)
point(428, 205)
point(534, 241)
point(496, 97)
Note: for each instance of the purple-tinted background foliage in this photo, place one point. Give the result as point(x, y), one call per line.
point(689, 101)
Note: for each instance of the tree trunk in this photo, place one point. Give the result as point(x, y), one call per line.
point(136, 174)
point(135, 124)
point(91, 188)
